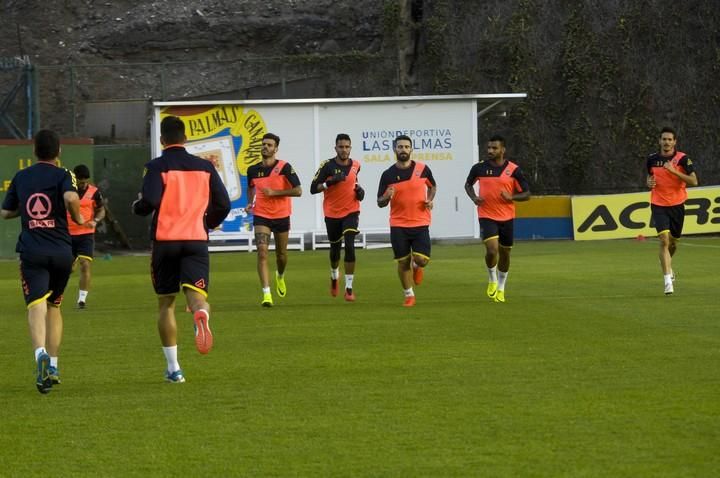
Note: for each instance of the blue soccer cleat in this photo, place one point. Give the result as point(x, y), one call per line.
point(174, 377)
point(43, 382)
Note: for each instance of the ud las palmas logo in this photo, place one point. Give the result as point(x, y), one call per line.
point(229, 136)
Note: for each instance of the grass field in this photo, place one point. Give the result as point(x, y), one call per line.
point(587, 370)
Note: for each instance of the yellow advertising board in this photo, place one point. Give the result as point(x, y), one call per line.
point(618, 216)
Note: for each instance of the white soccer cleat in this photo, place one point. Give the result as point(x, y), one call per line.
point(669, 288)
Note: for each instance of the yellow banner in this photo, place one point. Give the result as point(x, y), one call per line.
point(618, 216)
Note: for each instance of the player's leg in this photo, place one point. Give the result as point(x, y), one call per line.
point(662, 220)
point(85, 264)
point(334, 233)
point(167, 328)
point(402, 253)
point(281, 259)
point(35, 279)
point(350, 229)
point(165, 261)
point(195, 281)
point(262, 243)
point(420, 244)
point(677, 220)
point(505, 243)
point(490, 234)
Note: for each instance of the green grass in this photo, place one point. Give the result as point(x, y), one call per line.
point(587, 370)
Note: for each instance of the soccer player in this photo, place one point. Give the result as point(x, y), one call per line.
point(41, 196)
point(409, 188)
point(337, 180)
point(669, 172)
point(271, 184)
point(83, 237)
point(187, 198)
point(501, 183)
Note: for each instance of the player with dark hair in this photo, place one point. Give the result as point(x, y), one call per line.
point(271, 184)
point(186, 197)
point(669, 172)
point(83, 237)
point(409, 188)
point(337, 180)
point(501, 183)
point(42, 195)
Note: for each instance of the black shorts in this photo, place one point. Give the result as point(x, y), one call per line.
point(668, 218)
point(176, 264)
point(503, 230)
point(338, 227)
point(275, 225)
point(407, 240)
point(44, 277)
point(83, 245)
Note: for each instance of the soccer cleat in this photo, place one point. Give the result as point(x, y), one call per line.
point(203, 335)
point(280, 285)
point(267, 300)
point(409, 301)
point(81, 304)
point(492, 289)
point(54, 375)
point(174, 377)
point(333, 287)
point(418, 273)
point(499, 296)
point(43, 382)
point(669, 289)
point(349, 295)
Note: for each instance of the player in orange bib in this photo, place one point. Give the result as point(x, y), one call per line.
point(669, 172)
point(409, 188)
point(271, 185)
point(501, 183)
point(83, 237)
point(337, 180)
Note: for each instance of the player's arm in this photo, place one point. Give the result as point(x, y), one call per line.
point(689, 177)
point(11, 203)
point(294, 191)
point(470, 187)
point(318, 184)
point(98, 210)
point(72, 204)
point(522, 191)
point(385, 192)
point(431, 188)
point(219, 206)
point(152, 188)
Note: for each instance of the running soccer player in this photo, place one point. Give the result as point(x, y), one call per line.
point(271, 184)
point(409, 188)
point(83, 237)
point(669, 172)
point(501, 183)
point(186, 197)
point(337, 180)
point(42, 195)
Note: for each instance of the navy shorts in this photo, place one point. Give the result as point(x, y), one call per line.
point(338, 227)
point(503, 230)
point(83, 245)
point(668, 218)
point(275, 225)
point(44, 277)
point(407, 240)
point(176, 264)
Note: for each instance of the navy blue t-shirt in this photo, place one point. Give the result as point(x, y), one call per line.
point(37, 193)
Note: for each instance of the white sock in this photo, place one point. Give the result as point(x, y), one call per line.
point(39, 351)
point(82, 295)
point(668, 278)
point(171, 357)
point(334, 273)
point(53, 362)
point(266, 290)
point(492, 274)
point(502, 277)
point(409, 292)
point(349, 280)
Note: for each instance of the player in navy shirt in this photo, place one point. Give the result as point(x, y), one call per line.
point(41, 196)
